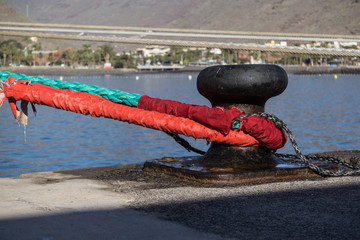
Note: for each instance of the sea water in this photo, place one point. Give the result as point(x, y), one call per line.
point(322, 112)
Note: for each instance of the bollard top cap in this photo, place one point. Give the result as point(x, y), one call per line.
point(241, 83)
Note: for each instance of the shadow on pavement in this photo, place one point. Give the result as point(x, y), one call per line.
point(327, 213)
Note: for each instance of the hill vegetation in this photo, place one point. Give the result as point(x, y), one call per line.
point(9, 14)
point(300, 16)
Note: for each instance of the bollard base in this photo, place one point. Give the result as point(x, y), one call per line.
point(191, 168)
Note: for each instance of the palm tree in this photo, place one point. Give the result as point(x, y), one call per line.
point(51, 60)
point(97, 56)
point(107, 52)
point(29, 59)
point(275, 56)
point(18, 55)
point(4, 50)
point(84, 55)
point(229, 55)
point(256, 55)
point(10, 48)
point(66, 56)
point(87, 54)
point(36, 47)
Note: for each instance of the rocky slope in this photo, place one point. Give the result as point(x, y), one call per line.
point(304, 16)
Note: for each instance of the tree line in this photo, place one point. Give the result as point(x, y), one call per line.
point(13, 52)
point(28, 53)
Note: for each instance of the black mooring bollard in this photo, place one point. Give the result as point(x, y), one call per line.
point(246, 87)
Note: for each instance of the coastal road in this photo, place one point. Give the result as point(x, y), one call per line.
point(146, 33)
point(182, 38)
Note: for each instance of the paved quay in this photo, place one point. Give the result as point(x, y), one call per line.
point(124, 202)
point(68, 71)
point(60, 206)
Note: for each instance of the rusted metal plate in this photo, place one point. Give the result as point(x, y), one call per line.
point(191, 168)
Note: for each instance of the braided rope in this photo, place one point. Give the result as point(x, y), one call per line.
point(131, 99)
point(117, 96)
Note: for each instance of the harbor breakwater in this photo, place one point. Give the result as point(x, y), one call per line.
point(68, 71)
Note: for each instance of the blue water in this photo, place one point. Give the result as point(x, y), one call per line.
point(321, 111)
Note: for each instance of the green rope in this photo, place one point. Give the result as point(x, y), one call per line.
point(129, 99)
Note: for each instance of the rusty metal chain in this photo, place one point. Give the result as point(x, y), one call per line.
point(299, 158)
point(3, 83)
point(304, 160)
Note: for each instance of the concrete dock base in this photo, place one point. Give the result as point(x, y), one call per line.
point(124, 202)
point(61, 206)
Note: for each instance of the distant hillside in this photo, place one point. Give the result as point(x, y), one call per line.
point(303, 16)
point(9, 14)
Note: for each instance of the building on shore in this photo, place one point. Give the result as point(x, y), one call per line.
point(47, 57)
point(150, 51)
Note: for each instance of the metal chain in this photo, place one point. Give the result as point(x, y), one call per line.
point(185, 143)
point(281, 125)
point(318, 158)
point(3, 83)
point(303, 159)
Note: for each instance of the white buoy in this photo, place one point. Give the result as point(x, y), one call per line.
point(137, 78)
point(189, 77)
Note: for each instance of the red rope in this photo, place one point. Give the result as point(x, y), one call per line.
point(96, 106)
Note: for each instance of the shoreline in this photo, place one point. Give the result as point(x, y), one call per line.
point(66, 71)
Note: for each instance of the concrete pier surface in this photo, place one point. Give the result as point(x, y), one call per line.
point(124, 202)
